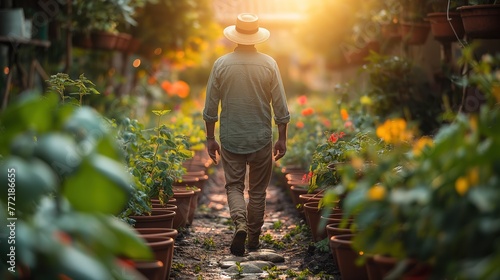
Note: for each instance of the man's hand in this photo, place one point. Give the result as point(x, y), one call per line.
point(279, 149)
point(213, 148)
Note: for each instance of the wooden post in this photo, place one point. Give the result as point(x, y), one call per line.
point(69, 35)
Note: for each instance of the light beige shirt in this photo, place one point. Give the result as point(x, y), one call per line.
point(248, 86)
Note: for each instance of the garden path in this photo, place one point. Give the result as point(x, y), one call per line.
point(202, 249)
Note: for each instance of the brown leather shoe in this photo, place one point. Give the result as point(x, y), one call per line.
point(238, 244)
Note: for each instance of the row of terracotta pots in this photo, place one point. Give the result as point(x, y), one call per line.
point(160, 229)
point(101, 40)
point(332, 224)
point(477, 22)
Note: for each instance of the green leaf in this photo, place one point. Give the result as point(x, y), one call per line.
point(160, 112)
point(79, 266)
point(32, 179)
point(129, 243)
point(100, 185)
point(59, 151)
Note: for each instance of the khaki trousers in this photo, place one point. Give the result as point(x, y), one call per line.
point(248, 217)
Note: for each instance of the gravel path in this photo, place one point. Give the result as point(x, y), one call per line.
point(202, 249)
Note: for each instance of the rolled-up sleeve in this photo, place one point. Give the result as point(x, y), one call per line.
point(211, 111)
point(280, 106)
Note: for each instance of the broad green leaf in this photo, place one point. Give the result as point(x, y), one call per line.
point(129, 243)
point(100, 185)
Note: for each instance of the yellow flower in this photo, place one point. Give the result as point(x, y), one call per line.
point(473, 176)
point(394, 131)
point(461, 185)
point(366, 100)
point(421, 144)
point(357, 163)
point(376, 192)
point(473, 122)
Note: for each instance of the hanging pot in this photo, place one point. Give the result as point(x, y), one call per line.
point(415, 33)
point(444, 30)
point(481, 21)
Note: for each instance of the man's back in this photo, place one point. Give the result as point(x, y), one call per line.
point(246, 82)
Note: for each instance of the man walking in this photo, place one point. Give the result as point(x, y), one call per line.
point(247, 84)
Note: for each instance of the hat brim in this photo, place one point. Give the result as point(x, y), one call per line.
point(246, 39)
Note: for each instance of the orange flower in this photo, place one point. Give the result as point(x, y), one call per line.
point(344, 114)
point(302, 100)
point(307, 111)
point(152, 80)
point(181, 88)
point(167, 87)
point(300, 124)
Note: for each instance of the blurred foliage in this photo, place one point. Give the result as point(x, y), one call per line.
point(69, 183)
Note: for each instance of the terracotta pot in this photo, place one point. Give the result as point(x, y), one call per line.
point(415, 33)
point(103, 40)
point(295, 192)
point(159, 218)
point(183, 203)
point(158, 232)
point(193, 205)
point(163, 249)
point(346, 258)
point(481, 21)
point(152, 270)
point(313, 214)
point(293, 169)
point(122, 42)
point(308, 197)
point(296, 176)
point(443, 30)
point(334, 230)
point(390, 31)
point(378, 267)
point(332, 217)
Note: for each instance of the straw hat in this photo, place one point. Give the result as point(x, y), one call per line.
point(246, 31)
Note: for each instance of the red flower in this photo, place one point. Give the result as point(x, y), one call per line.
point(341, 134)
point(302, 100)
point(333, 138)
point(307, 111)
point(307, 177)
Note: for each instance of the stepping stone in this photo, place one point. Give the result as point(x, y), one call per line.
point(230, 261)
point(266, 256)
point(246, 268)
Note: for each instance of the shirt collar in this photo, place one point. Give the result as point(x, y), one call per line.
point(245, 48)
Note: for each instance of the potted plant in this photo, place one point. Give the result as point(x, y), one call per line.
point(154, 157)
point(67, 189)
point(389, 19)
point(414, 28)
point(481, 19)
point(99, 20)
point(430, 202)
point(446, 22)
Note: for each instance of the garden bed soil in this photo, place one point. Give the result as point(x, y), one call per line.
point(201, 248)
